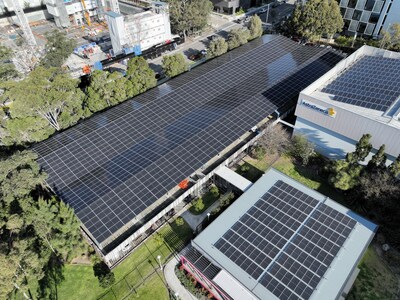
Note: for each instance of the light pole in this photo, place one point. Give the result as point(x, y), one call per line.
point(267, 13)
point(159, 261)
point(208, 217)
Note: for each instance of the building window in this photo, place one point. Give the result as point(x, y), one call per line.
point(362, 27)
point(369, 5)
point(357, 15)
point(374, 18)
point(352, 3)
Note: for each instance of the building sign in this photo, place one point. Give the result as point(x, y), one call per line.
point(330, 112)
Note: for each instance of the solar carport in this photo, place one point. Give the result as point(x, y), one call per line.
point(116, 168)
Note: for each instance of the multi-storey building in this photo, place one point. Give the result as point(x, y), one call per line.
point(146, 29)
point(368, 17)
point(232, 6)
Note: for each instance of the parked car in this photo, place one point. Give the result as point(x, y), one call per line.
point(212, 37)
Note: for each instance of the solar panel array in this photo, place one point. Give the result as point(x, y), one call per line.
point(286, 241)
point(113, 166)
point(371, 82)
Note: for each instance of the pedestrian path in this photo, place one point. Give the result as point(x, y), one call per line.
point(173, 282)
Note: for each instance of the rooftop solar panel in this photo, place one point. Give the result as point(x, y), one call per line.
point(286, 241)
point(116, 164)
point(370, 82)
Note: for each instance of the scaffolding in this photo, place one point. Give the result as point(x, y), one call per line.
point(26, 29)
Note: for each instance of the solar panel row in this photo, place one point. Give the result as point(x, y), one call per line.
point(116, 164)
point(286, 241)
point(369, 82)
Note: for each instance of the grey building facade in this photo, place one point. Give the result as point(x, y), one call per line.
point(368, 17)
point(232, 6)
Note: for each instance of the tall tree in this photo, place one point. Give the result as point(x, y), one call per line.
point(47, 94)
point(174, 65)
point(141, 76)
point(237, 37)
point(394, 167)
point(344, 175)
point(378, 160)
point(275, 139)
point(106, 89)
point(315, 18)
point(217, 47)
point(58, 48)
point(255, 27)
point(363, 148)
point(189, 15)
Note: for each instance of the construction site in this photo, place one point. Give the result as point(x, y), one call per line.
point(106, 32)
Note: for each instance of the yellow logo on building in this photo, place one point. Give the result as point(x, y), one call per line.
point(331, 112)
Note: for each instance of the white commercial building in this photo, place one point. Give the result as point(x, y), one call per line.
point(146, 29)
point(360, 95)
point(368, 17)
point(280, 240)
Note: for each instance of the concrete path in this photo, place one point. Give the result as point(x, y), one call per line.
point(174, 283)
point(195, 220)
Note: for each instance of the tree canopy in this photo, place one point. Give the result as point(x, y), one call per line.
point(33, 227)
point(106, 89)
point(255, 27)
point(140, 75)
point(189, 15)
point(238, 37)
point(217, 47)
point(174, 65)
point(58, 48)
point(7, 68)
point(44, 102)
point(315, 18)
point(391, 37)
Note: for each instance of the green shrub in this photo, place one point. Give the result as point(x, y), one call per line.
point(199, 205)
point(301, 149)
point(244, 168)
point(226, 199)
point(179, 221)
point(241, 11)
point(214, 191)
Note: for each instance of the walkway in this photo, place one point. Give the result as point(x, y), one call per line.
point(174, 283)
point(195, 220)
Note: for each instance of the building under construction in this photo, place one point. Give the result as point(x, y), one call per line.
point(79, 12)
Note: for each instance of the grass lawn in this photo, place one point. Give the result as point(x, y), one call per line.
point(80, 283)
point(208, 200)
point(375, 280)
point(309, 177)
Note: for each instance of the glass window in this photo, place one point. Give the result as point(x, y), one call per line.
point(352, 3)
point(374, 18)
point(357, 15)
point(361, 27)
point(369, 5)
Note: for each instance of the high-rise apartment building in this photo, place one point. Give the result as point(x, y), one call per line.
point(368, 17)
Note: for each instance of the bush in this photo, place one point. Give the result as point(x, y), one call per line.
point(107, 280)
point(104, 275)
point(179, 221)
point(241, 11)
point(301, 149)
point(226, 199)
point(174, 65)
point(217, 47)
point(244, 168)
point(214, 191)
point(258, 152)
point(199, 205)
point(190, 283)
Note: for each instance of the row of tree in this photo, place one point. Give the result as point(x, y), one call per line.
point(34, 226)
point(236, 38)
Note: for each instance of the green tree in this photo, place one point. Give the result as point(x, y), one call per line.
point(255, 27)
point(179, 221)
point(58, 48)
point(140, 76)
point(238, 37)
point(214, 191)
point(7, 68)
point(344, 175)
point(378, 160)
point(394, 167)
point(217, 47)
point(106, 89)
point(301, 149)
point(174, 65)
point(258, 152)
point(363, 148)
point(315, 18)
point(189, 15)
point(47, 94)
point(391, 38)
point(199, 205)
